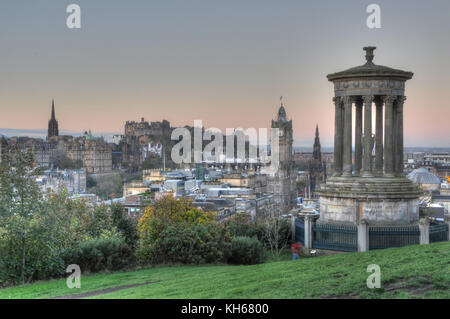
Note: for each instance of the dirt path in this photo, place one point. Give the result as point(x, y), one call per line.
point(104, 291)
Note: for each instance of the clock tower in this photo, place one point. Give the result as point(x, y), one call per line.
point(282, 184)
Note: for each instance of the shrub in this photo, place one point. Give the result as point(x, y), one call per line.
point(99, 254)
point(276, 233)
point(247, 251)
point(166, 212)
point(50, 267)
point(126, 226)
point(196, 244)
point(241, 224)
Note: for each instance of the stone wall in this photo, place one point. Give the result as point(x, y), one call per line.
point(375, 211)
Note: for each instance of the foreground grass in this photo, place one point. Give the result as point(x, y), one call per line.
point(408, 272)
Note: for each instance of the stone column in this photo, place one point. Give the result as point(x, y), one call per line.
point(308, 231)
point(399, 136)
point(379, 137)
point(338, 135)
point(367, 159)
point(424, 228)
point(358, 137)
point(293, 227)
point(347, 156)
point(363, 236)
point(388, 135)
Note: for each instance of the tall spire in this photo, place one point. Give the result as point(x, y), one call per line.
point(316, 147)
point(53, 109)
point(53, 124)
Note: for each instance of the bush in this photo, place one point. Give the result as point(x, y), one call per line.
point(198, 244)
point(166, 212)
point(241, 224)
point(125, 225)
point(99, 254)
point(276, 233)
point(247, 251)
point(50, 267)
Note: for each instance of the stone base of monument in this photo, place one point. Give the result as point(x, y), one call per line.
point(377, 200)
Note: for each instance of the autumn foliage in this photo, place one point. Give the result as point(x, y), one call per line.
point(170, 215)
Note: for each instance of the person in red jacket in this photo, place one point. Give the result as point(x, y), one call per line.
point(295, 251)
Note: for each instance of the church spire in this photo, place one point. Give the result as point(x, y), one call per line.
point(53, 110)
point(316, 147)
point(53, 123)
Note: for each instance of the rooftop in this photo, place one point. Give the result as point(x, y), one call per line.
point(423, 176)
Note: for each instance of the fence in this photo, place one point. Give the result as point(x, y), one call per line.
point(381, 237)
point(438, 232)
point(345, 237)
point(335, 237)
point(300, 230)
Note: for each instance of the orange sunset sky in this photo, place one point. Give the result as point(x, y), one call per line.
point(223, 62)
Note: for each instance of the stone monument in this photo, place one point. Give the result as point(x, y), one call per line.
point(373, 188)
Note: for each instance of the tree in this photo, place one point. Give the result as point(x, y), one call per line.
point(126, 226)
point(165, 212)
point(276, 235)
point(90, 182)
point(22, 211)
point(107, 188)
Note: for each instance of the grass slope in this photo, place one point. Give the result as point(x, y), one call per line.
point(408, 272)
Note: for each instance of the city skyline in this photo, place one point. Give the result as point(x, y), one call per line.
point(226, 64)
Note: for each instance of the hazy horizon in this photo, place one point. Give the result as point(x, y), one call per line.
point(226, 63)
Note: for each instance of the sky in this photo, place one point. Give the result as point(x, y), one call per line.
point(223, 62)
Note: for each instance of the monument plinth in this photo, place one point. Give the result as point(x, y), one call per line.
point(373, 188)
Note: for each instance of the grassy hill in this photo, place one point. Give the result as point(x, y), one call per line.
point(408, 272)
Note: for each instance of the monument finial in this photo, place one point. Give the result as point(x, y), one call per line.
point(369, 53)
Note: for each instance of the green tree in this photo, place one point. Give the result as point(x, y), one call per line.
point(166, 212)
point(126, 226)
point(22, 211)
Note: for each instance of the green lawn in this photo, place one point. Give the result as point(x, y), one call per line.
point(408, 272)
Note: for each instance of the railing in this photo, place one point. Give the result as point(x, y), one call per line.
point(335, 237)
point(438, 232)
point(381, 237)
point(300, 230)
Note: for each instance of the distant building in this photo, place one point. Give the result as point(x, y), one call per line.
point(256, 182)
point(143, 138)
point(52, 124)
point(317, 169)
point(94, 154)
point(135, 188)
point(282, 184)
point(153, 175)
point(425, 179)
point(73, 181)
point(3, 147)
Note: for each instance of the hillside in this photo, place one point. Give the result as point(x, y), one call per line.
point(408, 272)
